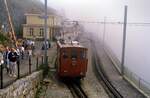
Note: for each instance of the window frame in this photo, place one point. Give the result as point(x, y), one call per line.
point(41, 33)
point(83, 54)
point(31, 30)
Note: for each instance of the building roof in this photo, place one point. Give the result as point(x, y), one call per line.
point(40, 14)
point(40, 25)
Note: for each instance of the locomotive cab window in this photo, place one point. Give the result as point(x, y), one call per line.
point(74, 54)
point(64, 54)
point(83, 54)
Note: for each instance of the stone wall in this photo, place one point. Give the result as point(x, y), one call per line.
point(23, 88)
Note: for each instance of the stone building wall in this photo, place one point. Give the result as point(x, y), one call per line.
point(23, 88)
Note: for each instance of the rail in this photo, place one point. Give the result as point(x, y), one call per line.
point(75, 88)
point(110, 89)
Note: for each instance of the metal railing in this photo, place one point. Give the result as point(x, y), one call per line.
point(24, 68)
point(133, 78)
point(137, 81)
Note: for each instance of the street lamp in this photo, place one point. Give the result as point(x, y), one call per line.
point(3, 28)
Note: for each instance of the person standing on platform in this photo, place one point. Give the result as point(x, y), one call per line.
point(1, 58)
point(30, 51)
point(6, 60)
point(22, 52)
point(13, 62)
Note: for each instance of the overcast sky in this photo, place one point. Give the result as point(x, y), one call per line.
point(138, 10)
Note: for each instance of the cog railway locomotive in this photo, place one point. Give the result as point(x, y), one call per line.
point(71, 59)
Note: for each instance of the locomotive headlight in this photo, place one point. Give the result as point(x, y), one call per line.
point(81, 73)
point(73, 64)
point(65, 71)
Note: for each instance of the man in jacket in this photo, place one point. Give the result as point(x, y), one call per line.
point(13, 62)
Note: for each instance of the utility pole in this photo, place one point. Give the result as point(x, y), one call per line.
point(124, 40)
point(11, 24)
point(104, 32)
point(53, 29)
point(63, 29)
point(45, 38)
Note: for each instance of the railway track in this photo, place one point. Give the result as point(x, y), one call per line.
point(110, 89)
point(75, 87)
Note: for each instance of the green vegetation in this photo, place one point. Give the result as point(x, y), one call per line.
point(43, 86)
point(41, 90)
point(4, 40)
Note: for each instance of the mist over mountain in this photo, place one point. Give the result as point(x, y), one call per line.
point(17, 10)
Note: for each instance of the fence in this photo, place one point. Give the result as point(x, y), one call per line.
point(24, 68)
point(137, 81)
point(133, 78)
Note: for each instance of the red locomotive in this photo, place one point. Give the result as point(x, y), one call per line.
point(71, 59)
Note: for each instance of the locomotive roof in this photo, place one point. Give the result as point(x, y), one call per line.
point(65, 44)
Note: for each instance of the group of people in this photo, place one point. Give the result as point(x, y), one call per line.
point(10, 57)
point(46, 45)
point(28, 43)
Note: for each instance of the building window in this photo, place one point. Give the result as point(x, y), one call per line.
point(31, 30)
point(41, 32)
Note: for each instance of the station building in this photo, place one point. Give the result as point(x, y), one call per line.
point(34, 27)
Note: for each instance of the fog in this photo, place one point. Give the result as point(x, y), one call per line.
point(137, 57)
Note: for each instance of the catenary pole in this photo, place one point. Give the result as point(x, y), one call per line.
point(124, 39)
point(45, 36)
point(104, 32)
